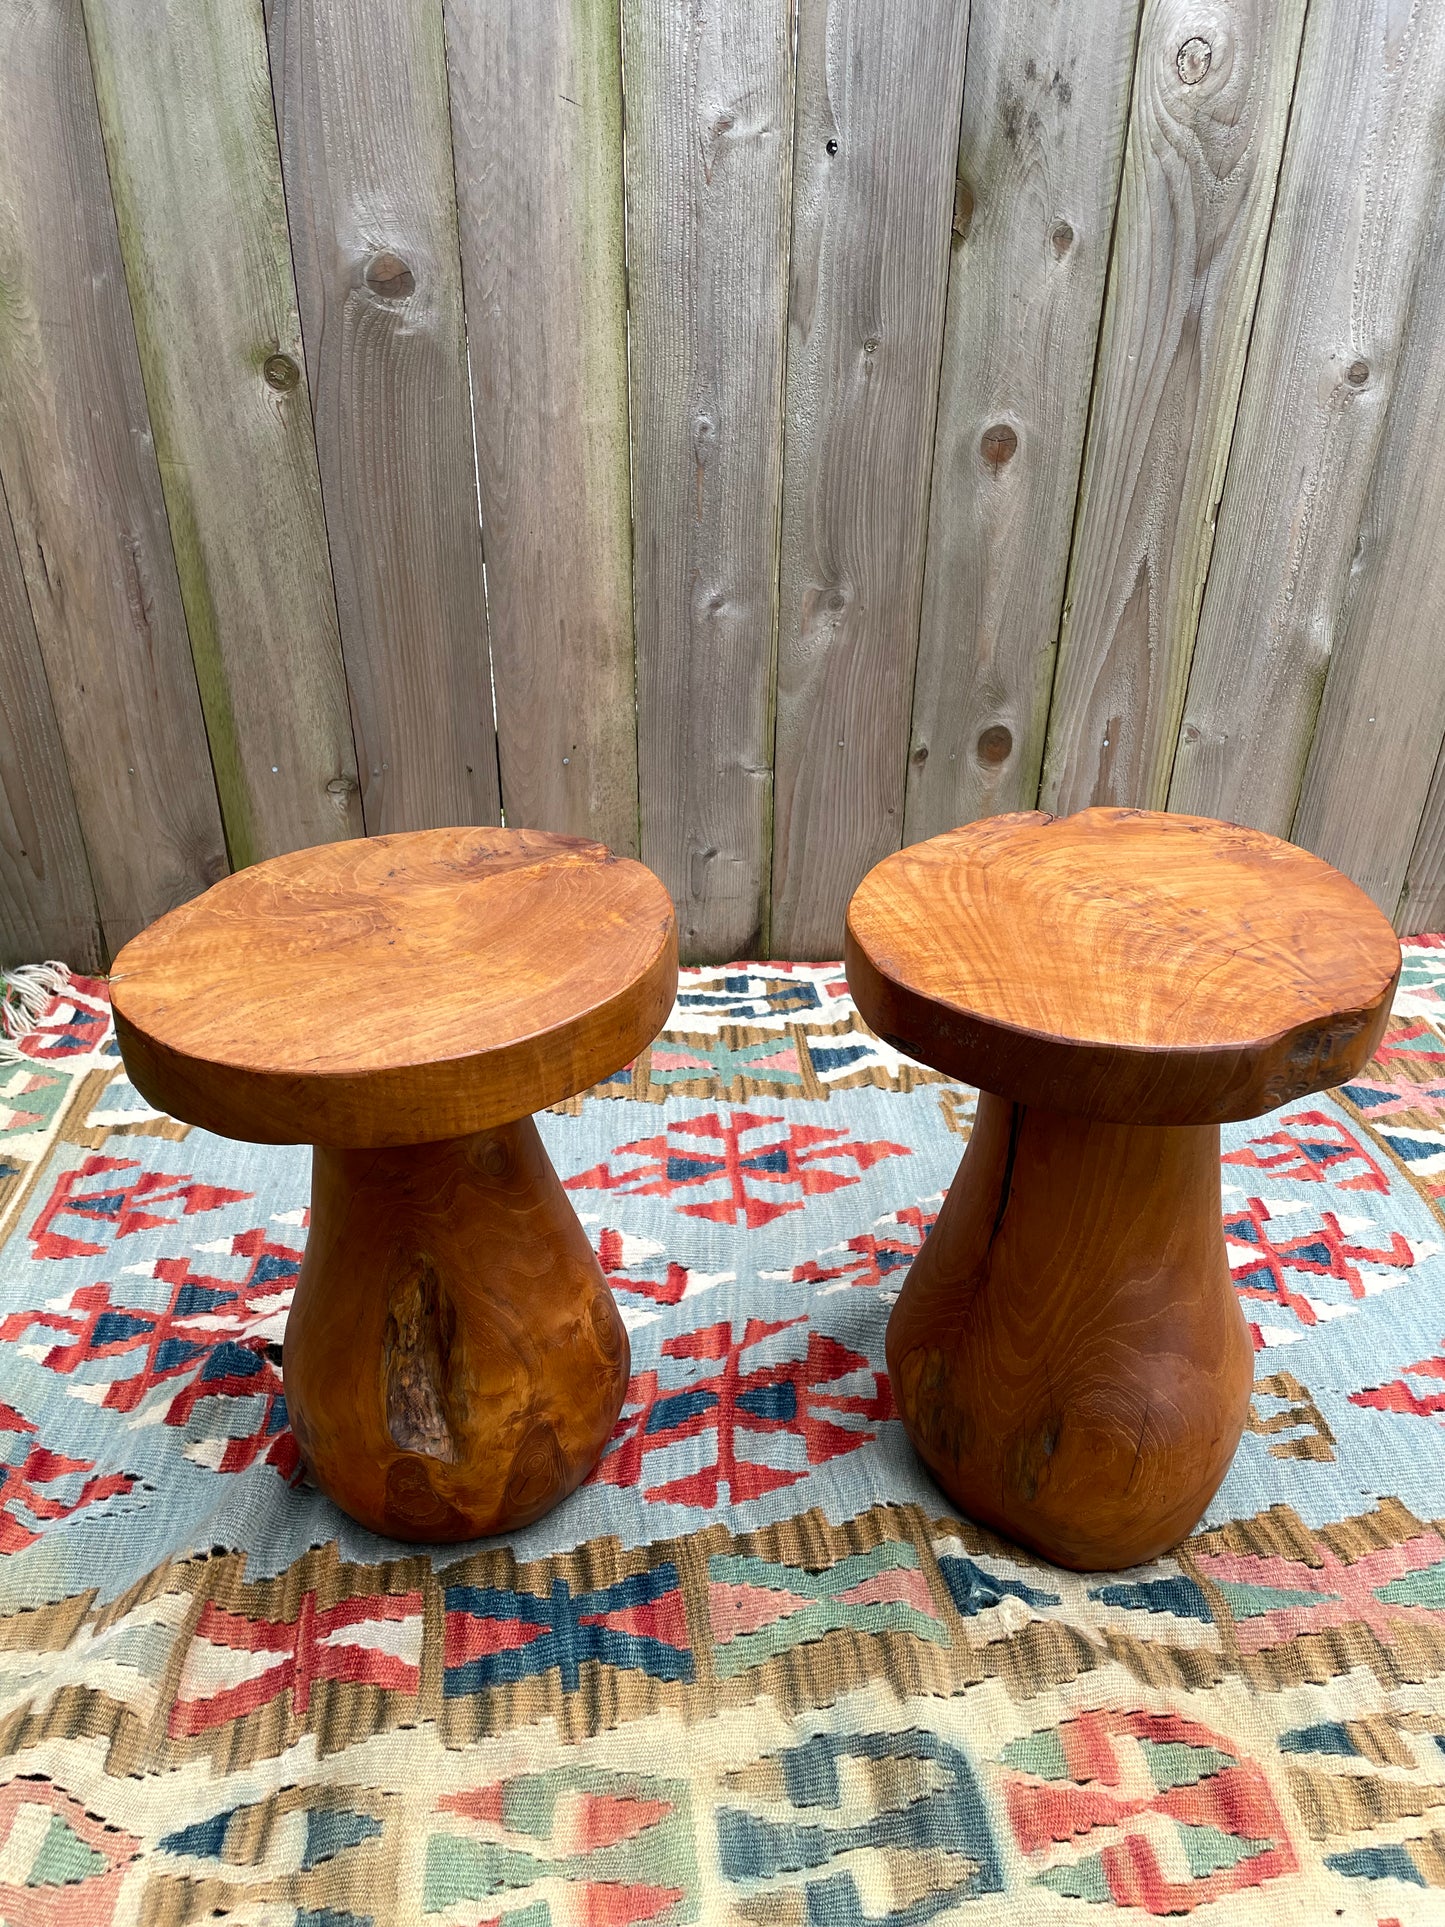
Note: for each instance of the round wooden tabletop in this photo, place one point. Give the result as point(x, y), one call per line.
point(397, 989)
point(1123, 964)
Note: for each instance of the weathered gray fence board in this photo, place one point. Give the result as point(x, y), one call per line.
point(1382, 719)
point(1356, 194)
point(1422, 901)
point(47, 904)
point(85, 501)
point(879, 92)
point(1044, 110)
point(185, 103)
point(1064, 430)
point(1207, 129)
point(537, 131)
point(709, 137)
point(361, 102)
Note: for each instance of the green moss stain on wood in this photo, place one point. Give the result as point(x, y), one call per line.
point(79, 466)
point(185, 101)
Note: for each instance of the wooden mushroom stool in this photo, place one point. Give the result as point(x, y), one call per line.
point(1068, 1354)
point(454, 1361)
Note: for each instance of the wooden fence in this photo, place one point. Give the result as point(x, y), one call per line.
point(754, 434)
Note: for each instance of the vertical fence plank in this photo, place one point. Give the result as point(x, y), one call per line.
point(185, 103)
point(1207, 129)
point(1356, 195)
point(47, 905)
point(709, 133)
point(537, 132)
point(879, 92)
point(1045, 104)
point(80, 476)
point(361, 102)
point(1422, 901)
point(1382, 719)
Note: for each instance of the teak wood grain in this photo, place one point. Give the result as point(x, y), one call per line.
point(1067, 1353)
point(1124, 965)
point(483, 974)
point(454, 1362)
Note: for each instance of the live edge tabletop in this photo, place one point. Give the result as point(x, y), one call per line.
point(454, 1361)
point(1067, 1353)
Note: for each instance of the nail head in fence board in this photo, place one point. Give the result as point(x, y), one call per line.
point(185, 104)
point(874, 153)
point(1044, 110)
point(1383, 714)
point(709, 135)
point(361, 101)
point(536, 95)
point(47, 904)
point(1356, 197)
point(1206, 132)
point(84, 492)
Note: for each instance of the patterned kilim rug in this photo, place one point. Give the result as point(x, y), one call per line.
point(756, 1670)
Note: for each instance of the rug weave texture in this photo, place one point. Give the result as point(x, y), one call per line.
point(757, 1670)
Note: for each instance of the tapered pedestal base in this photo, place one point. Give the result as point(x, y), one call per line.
point(1068, 1354)
point(454, 1361)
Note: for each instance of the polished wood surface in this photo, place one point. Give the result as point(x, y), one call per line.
point(454, 1362)
point(1067, 1353)
point(1123, 964)
point(397, 988)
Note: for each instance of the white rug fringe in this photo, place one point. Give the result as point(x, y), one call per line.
point(25, 994)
